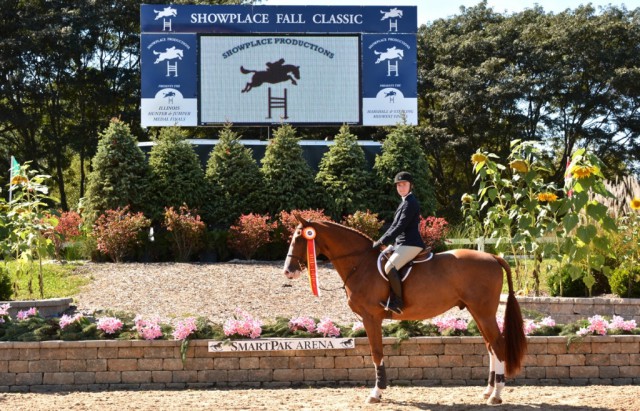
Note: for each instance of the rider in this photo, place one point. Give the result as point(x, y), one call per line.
point(275, 66)
point(408, 242)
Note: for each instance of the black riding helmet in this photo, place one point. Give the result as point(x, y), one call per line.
point(403, 176)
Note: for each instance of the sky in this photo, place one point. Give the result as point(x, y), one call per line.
point(430, 10)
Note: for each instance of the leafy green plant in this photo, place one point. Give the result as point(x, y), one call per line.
point(186, 231)
point(625, 281)
point(364, 221)
point(6, 288)
point(118, 231)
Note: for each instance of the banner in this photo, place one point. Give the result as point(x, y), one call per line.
point(282, 344)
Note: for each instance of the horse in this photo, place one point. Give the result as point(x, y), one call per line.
point(464, 278)
point(276, 74)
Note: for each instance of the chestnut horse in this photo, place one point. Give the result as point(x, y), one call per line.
point(464, 278)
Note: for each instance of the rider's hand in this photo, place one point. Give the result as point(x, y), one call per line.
point(376, 245)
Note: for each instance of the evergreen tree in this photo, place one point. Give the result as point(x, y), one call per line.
point(289, 181)
point(234, 180)
point(344, 176)
point(401, 151)
point(177, 176)
point(120, 174)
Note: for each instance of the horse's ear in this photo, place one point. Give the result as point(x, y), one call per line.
point(300, 219)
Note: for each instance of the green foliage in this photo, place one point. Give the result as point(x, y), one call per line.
point(119, 231)
point(288, 179)
point(120, 173)
point(344, 176)
point(625, 282)
point(176, 175)
point(186, 231)
point(60, 280)
point(401, 151)
point(250, 233)
point(561, 283)
point(6, 288)
point(234, 180)
point(365, 222)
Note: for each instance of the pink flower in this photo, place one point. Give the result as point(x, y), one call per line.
point(184, 328)
point(243, 324)
point(110, 325)
point(357, 326)
point(67, 320)
point(450, 323)
point(23, 315)
point(4, 311)
point(530, 326)
point(500, 321)
point(548, 322)
point(327, 328)
point(299, 323)
point(618, 323)
point(597, 325)
point(147, 329)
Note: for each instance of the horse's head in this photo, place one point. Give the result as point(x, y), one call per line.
point(297, 251)
point(295, 70)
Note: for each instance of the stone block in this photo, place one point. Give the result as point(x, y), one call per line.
point(161, 352)
point(229, 363)
point(249, 363)
point(108, 377)
point(273, 363)
point(185, 376)
point(423, 361)
point(107, 352)
point(125, 364)
point(543, 360)
point(84, 378)
point(589, 371)
point(96, 365)
point(136, 377)
point(571, 359)
point(631, 371)
point(82, 354)
point(29, 378)
point(172, 364)
point(362, 374)
point(535, 372)
point(458, 349)
point(161, 377)
point(198, 364)
point(19, 366)
point(237, 375)
point(305, 362)
point(312, 374)
point(557, 372)
point(605, 348)
point(324, 362)
point(619, 359)
point(461, 373)
point(610, 371)
point(58, 378)
point(396, 361)
point(73, 365)
point(150, 364)
point(260, 375)
point(472, 360)
point(131, 352)
point(450, 361)
point(288, 375)
point(557, 348)
point(53, 354)
point(336, 374)
point(45, 366)
point(597, 359)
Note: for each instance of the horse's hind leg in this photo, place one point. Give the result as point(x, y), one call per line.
point(496, 380)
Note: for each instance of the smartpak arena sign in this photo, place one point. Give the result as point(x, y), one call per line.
point(257, 65)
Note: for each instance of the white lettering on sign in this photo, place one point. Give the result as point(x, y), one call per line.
point(230, 18)
point(282, 344)
point(337, 18)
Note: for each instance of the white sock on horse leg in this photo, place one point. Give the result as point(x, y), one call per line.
point(376, 393)
point(492, 376)
point(500, 380)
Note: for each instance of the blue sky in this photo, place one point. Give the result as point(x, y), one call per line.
point(430, 10)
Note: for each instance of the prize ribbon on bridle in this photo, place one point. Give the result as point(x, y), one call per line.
point(312, 268)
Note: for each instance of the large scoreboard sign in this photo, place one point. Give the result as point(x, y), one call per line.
point(255, 65)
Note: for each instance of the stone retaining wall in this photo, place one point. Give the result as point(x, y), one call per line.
point(107, 365)
point(566, 310)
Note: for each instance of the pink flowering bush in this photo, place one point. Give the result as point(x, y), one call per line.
point(307, 324)
point(250, 232)
point(4, 312)
point(110, 325)
point(147, 329)
point(449, 325)
point(184, 328)
point(598, 325)
point(66, 320)
point(25, 314)
point(433, 231)
point(118, 232)
point(327, 328)
point(243, 324)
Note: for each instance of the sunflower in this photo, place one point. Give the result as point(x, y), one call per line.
point(520, 166)
point(19, 179)
point(582, 171)
point(635, 203)
point(466, 198)
point(547, 197)
point(478, 158)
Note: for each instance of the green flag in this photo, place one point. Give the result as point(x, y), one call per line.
point(15, 167)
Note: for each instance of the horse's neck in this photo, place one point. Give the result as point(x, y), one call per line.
point(343, 246)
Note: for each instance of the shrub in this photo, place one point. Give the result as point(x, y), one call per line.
point(67, 229)
point(250, 233)
point(6, 288)
point(365, 222)
point(562, 284)
point(120, 173)
point(625, 282)
point(288, 221)
point(186, 231)
point(433, 231)
point(117, 232)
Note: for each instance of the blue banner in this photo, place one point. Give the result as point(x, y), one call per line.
point(277, 19)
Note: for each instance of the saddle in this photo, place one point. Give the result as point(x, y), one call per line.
point(423, 256)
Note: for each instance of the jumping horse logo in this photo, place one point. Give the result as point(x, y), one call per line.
point(394, 12)
point(166, 12)
point(390, 54)
point(276, 72)
point(169, 54)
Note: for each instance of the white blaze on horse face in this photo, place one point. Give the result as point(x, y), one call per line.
point(295, 274)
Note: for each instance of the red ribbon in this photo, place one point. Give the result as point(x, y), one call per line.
point(309, 233)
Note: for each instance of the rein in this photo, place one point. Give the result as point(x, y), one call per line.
point(351, 254)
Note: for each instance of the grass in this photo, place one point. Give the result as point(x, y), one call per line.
point(60, 280)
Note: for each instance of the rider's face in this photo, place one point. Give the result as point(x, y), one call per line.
point(403, 188)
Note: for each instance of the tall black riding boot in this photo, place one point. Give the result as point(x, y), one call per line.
point(395, 303)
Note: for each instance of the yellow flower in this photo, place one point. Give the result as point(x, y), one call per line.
point(466, 198)
point(547, 197)
point(635, 203)
point(582, 171)
point(19, 179)
point(519, 165)
point(478, 158)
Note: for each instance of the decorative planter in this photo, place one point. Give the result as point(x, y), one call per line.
point(106, 365)
point(47, 308)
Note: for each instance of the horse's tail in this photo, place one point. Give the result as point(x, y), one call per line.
point(245, 71)
point(515, 338)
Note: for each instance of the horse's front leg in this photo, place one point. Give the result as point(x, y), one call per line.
point(293, 80)
point(373, 327)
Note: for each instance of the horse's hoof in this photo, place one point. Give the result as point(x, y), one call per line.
point(372, 400)
point(494, 401)
point(486, 396)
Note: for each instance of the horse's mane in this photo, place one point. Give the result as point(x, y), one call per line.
point(353, 230)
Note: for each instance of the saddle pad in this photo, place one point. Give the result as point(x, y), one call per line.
point(404, 271)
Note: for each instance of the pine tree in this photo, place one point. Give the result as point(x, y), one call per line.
point(289, 181)
point(344, 176)
point(234, 180)
point(401, 151)
point(120, 174)
point(177, 176)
